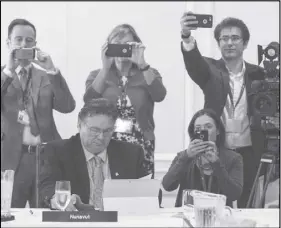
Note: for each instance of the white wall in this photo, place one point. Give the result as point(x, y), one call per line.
point(73, 32)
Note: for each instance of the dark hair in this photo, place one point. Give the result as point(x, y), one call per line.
point(20, 21)
point(219, 125)
point(232, 22)
point(99, 106)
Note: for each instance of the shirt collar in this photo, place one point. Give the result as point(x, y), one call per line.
point(89, 156)
point(18, 69)
point(239, 74)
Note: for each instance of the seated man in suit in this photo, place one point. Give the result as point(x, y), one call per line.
point(89, 157)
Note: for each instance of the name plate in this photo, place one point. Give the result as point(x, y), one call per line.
point(79, 216)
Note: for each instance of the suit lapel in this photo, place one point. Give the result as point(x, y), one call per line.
point(80, 164)
point(37, 77)
point(225, 79)
point(114, 160)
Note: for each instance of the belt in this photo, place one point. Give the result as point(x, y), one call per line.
point(240, 148)
point(29, 149)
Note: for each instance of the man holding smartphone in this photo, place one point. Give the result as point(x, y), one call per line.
point(28, 96)
point(226, 84)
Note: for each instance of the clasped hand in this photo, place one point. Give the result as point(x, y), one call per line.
point(43, 60)
point(208, 149)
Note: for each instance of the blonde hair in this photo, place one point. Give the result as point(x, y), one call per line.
point(121, 30)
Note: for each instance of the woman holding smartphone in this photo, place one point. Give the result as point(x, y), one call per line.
point(133, 85)
point(206, 164)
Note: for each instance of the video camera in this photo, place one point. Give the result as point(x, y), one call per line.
point(264, 97)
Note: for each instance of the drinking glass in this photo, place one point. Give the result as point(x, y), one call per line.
point(62, 194)
point(7, 182)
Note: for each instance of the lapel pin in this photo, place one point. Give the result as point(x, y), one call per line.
point(116, 174)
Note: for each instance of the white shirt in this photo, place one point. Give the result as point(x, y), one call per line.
point(242, 136)
point(105, 169)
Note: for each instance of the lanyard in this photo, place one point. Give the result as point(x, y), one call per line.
point(203, 181)
point(239, 98)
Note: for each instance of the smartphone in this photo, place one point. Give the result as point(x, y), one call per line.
point(119, 50)
point(203, 135)
point(204, 20)
point(24, 53)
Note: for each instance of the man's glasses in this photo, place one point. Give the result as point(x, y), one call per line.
point(97, 131)
point(234, 39)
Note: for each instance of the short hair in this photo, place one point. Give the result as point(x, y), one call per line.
point(219, 125)
point(121, 30)
point(20, 21)
point(232, 22)
point(100, 106)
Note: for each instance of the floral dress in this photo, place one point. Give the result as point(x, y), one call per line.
point(126, 111)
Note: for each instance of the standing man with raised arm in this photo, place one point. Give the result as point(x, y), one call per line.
point(28, 96)
point(226, 83)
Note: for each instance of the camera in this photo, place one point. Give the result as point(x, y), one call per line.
point(203, 135)
point(264, 94)
point(264, 97)
point(24, 53)
point(204, 20)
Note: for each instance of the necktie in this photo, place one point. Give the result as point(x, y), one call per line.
point(28, 101)
point(98, 180)
point(23, 78)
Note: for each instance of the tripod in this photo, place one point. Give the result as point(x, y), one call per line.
point(266, 159)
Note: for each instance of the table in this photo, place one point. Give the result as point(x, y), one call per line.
point(167, 217)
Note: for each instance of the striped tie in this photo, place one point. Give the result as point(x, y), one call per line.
point(98, 180)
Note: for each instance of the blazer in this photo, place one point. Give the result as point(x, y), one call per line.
point(228, 171)
point(141, 94)
point(213, 78)
point(65, 160)
point(48, 92)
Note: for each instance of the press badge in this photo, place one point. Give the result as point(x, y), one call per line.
point(123, 126)
point(23, 117)
point(233, 125)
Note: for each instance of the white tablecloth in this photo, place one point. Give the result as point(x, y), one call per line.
point(168, 217)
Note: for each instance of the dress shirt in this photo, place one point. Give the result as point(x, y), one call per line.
point(241, 138)
point(105, 169)
point(28, 138)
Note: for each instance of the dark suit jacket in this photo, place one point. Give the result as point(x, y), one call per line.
point(213, 78)
point(65, 160)
point(48, 92)
point(228, 172)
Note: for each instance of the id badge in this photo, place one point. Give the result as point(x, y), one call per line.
point(23, 117)
point(123, 126)
point(233, 125)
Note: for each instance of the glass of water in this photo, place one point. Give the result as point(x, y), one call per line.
point(62, 194)
point(7, 182)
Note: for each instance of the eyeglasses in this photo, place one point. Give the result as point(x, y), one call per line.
point(97, 131)
point(234, 39)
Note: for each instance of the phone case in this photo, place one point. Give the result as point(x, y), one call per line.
point(119, 50)
point(204, 20)
point(203, 135)
point(24, 53)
